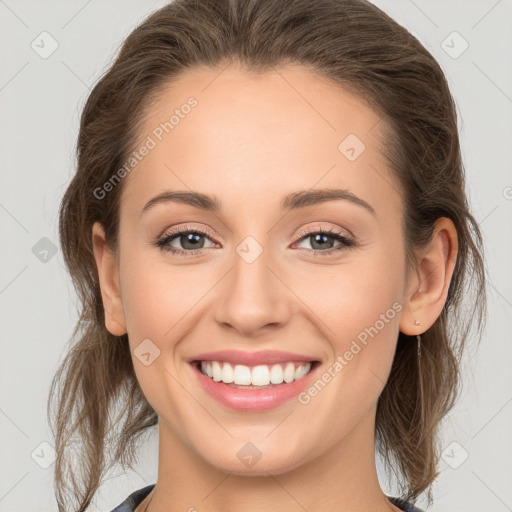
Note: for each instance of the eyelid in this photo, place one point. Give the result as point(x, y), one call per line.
point(314, 229)
point(173, 230)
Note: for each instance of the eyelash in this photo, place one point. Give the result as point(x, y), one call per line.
point(163, 242)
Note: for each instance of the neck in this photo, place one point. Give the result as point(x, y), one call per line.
point(343, 478)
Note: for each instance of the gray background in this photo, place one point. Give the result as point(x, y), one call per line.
point(41, 99)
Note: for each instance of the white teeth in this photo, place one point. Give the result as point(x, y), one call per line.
point(217, 371)
point(276, 374)
point(242, 375)
point(289, 372)
point(228, 374)
point(261, 375)
point(300, 372)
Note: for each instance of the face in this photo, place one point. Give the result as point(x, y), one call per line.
point(281, 265)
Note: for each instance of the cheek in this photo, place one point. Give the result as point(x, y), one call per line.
point(159, 298)
point(368, 336)
point(153, 300)
point(155, 306)
point(351, 297)
point(359, 303)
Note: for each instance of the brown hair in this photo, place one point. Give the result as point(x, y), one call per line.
point(100, 405)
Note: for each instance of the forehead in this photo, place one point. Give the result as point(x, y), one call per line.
point(241, 136)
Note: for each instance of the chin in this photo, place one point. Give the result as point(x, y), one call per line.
point(274, 463)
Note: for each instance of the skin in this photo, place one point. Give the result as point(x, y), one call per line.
point(250, 141)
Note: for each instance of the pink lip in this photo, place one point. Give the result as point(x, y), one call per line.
point(253, 400)
point(251, 358)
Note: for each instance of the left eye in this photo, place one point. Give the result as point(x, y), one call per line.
point(320, 239)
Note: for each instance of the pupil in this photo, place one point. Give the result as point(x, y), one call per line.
point(319, 238)
point(191, 238)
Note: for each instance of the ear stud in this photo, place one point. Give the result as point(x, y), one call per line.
point(416, 322)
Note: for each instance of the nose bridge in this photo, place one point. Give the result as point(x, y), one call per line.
point(252, 297)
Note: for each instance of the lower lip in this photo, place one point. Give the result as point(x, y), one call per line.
point(253, 399)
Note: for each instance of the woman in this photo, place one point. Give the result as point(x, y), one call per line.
point(228, 142)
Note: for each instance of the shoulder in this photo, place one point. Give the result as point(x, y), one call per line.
point(403, 505)
point(134, 499)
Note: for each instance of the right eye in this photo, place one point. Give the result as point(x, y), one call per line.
point(188, 238)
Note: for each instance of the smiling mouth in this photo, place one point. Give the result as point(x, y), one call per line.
point(255, 377)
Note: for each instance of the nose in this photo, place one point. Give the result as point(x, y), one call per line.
point(252, 298)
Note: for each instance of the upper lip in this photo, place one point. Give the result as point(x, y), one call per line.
point(251, 358)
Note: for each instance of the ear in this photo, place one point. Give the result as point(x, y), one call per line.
point(429, 286)
point(109, 282)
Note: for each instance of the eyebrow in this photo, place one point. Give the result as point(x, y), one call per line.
point(292, 201)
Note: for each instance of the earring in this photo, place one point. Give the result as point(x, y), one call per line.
point(418, 339)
